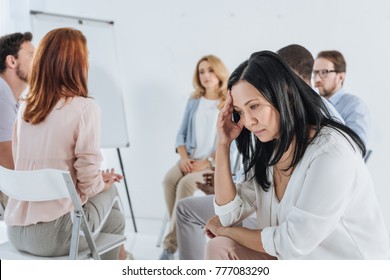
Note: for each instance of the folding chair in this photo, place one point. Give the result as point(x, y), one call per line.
point(162, 229)
point(52, 184)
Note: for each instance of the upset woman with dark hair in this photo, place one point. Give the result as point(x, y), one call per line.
point(304, 174)
point(58, 126)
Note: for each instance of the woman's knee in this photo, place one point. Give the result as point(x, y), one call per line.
point(224, 248)
point(186, 187)
point(168, 182)
point(172, 177)
point(218, 248)
point(116, 222)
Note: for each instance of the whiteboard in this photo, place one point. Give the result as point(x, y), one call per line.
point(104, 81)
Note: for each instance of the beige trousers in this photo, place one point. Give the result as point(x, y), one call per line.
point(3, 199)
point(178, 186)
point(224, 248)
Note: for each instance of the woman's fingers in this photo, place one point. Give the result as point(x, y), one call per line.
point(109, 176)
point(228, 107)
point(209, 234)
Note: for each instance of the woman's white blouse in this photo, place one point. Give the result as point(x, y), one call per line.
point(329, 209)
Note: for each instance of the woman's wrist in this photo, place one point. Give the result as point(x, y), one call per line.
point(183, 156)
point(222, 147)
point(224, 231)
point(106, 186)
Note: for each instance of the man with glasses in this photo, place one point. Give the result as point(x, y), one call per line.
point(329, 74)
point(16, 54)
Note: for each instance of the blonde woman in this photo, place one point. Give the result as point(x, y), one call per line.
point(195, 142)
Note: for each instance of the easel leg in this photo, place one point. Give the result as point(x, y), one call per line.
point(127, 189)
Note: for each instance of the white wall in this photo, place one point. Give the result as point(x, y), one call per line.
point(159, 43)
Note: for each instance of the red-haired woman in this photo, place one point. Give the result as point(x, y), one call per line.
point(58, 126)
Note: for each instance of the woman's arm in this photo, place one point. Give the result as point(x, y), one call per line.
point(249, 238)
point(227, 131)
point(87, 152)
point(185, 162)
point(182, 137)
point(225, 190)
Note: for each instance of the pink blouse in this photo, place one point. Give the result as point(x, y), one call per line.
point(68, 139)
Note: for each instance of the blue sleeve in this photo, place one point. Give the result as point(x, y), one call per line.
point(181, 137)
point(358, 119)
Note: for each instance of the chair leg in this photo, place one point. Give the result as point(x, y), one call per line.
point(74, 243)
point(2, 209)
point(162, 229)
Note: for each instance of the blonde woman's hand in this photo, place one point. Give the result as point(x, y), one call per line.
point(227, 129)
point(199, 165)
point(186, 165)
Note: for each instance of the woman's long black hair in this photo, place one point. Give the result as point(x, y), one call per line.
point(300, 109)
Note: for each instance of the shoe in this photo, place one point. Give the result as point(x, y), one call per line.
point(166, 255)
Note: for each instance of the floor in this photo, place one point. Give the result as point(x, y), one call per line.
point(141, 244)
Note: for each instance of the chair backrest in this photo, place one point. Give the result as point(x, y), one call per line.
point(52, 184)
point(36, 185)
point(45, 185)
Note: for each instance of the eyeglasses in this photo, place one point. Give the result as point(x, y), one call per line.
point(323, 73)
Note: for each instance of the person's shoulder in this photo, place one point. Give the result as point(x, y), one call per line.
point(332, 140)
point(3, 83)
point(82, 104)
point(192, 102)
point(328, 134)
point(6, 95)
point(83, 101)
point(351, 98)
point(355, 103)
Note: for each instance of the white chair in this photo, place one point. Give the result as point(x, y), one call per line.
point(162, 229)
point(52, 184)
